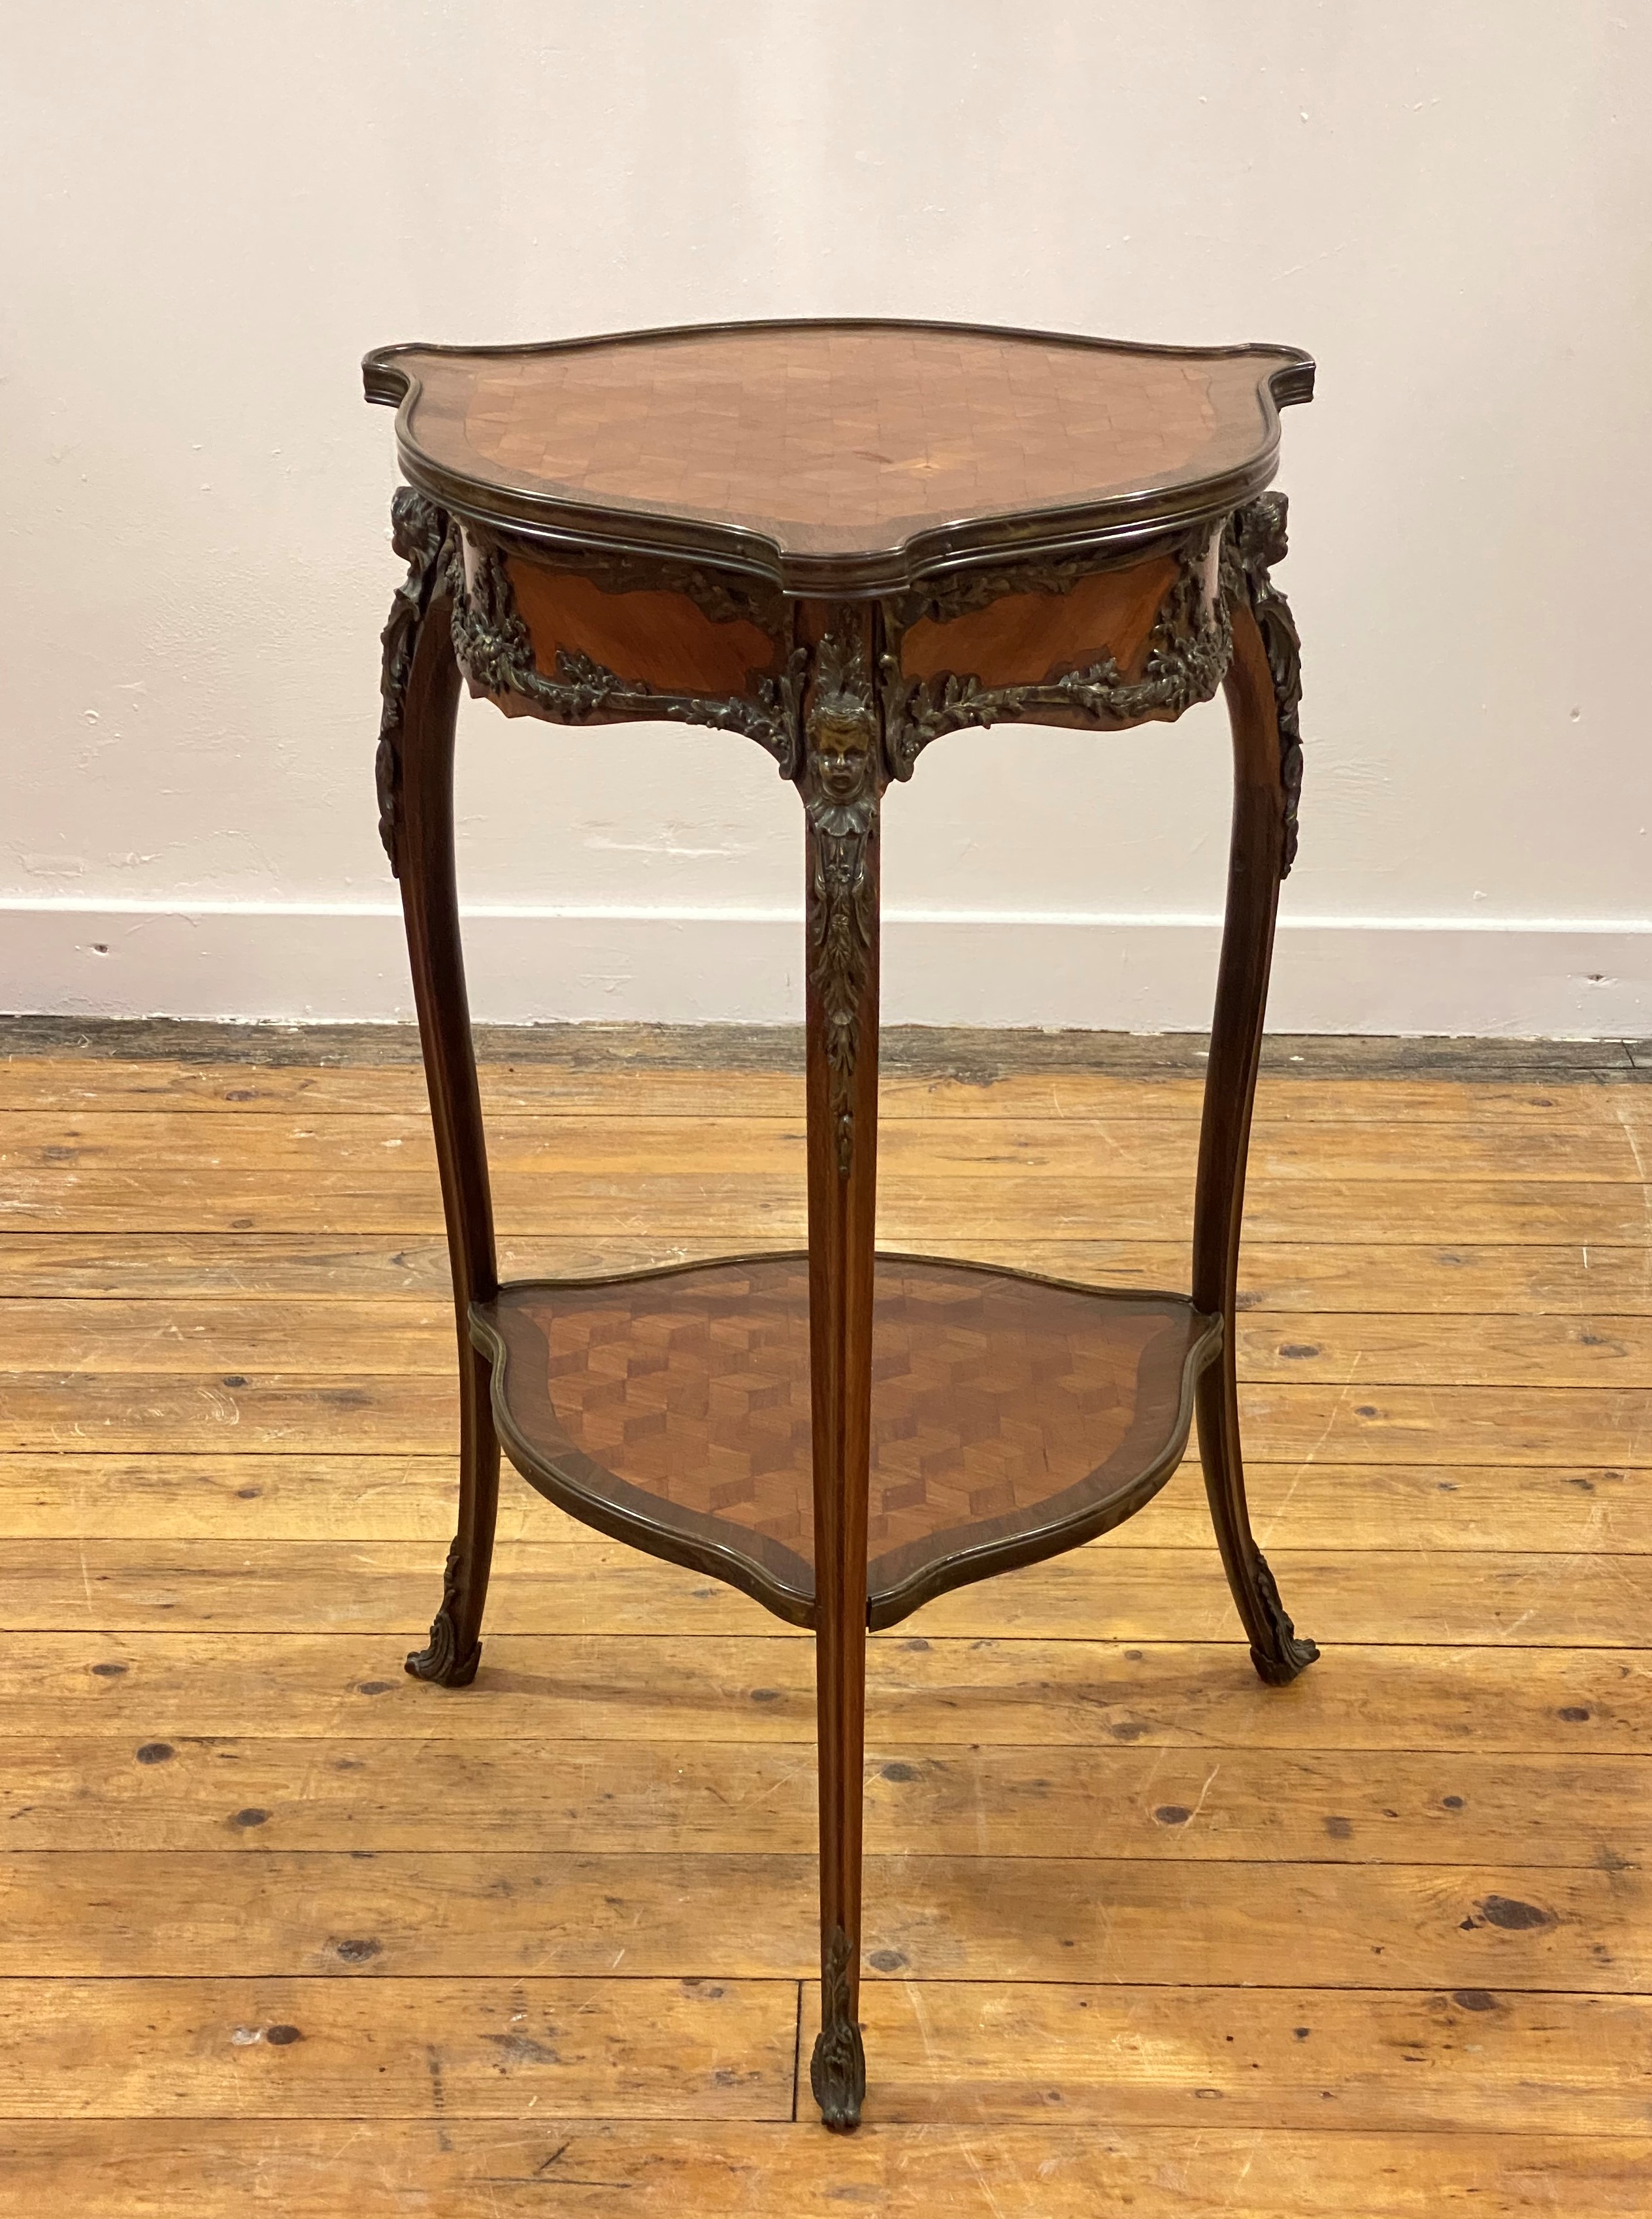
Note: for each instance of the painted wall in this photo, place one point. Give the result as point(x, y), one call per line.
point(214, 208)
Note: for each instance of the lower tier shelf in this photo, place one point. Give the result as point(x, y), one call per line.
point(1012, 1417)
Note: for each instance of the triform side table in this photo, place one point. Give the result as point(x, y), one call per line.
point(843, 541)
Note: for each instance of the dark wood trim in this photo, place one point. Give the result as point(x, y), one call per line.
point(841, 778)
point(1255, 869)
point(385, 380)
point(415, 785)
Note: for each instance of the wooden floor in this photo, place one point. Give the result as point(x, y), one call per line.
point(284, 1931)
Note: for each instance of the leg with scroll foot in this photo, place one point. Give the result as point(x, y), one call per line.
point(441, 1660)
point(837, 2070)
point(1277, 1650)
point(420, 687)
point(1263, 687)
point(454, 1651)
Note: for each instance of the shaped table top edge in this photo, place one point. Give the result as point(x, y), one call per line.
point(1285, 377)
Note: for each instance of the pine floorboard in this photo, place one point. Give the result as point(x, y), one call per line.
point(281, 1929)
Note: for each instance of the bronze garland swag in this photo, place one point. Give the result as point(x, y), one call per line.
point(842, 541)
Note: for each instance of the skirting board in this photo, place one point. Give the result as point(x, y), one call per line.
point(1521, 978)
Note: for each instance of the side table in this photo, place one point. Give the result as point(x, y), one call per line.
point(842, 540)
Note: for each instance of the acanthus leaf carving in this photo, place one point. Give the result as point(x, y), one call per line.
point(837, 2066)
point(1187, 658)
point(948, 593)
point(840, 778)
point(419, 533)
point(1290, 1652)
point(439, 1660)
point(1257, 540)
point(496, 650)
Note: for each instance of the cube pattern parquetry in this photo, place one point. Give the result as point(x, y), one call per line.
point(989, 1393)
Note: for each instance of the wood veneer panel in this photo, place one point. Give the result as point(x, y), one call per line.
point(1022, 639)
point(663, 638)
point(1002, 1409)
point(836, 439)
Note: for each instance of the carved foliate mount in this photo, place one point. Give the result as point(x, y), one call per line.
point(496, 650)
point(1288, 1651)
point(418, 533)
point(837, 2069)
point(440, 1661)
point(951, 594)
point(1257, 541)
point(840, 777)
point(1188, 655)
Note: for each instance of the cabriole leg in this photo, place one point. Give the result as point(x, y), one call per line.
point(840, 776)
point(415, 781)
point(1262, 687)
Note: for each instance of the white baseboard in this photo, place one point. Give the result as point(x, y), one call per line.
point(1535, 979)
